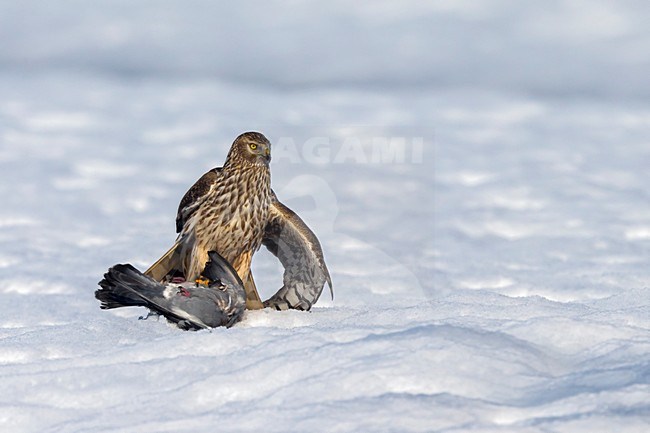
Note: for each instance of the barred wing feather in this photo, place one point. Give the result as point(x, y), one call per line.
point(298, 249)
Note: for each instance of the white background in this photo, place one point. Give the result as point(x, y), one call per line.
point(497, 283)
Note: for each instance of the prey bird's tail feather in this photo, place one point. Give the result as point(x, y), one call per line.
point(125, 286)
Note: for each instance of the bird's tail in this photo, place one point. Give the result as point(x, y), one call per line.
point(169, 262)
point(125, 286)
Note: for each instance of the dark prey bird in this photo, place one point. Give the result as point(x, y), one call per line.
point(191, 306)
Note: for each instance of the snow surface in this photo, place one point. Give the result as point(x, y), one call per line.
point(493, 277)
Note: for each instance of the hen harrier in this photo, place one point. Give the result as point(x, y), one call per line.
point(233, 210)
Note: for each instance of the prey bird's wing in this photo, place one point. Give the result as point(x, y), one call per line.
point(195, 196)
point(218, 269)
point(298, 249)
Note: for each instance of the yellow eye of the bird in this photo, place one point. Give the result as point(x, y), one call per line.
point(253, 146)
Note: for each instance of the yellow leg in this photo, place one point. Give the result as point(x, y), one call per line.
point(243, 267)
point(253, 300)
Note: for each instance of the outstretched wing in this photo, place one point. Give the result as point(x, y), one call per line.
point(195, 196)
point(300, 253)
point(190, 202)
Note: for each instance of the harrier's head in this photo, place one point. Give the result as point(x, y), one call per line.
point(251, 147)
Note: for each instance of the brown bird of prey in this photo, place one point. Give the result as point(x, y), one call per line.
point(233, 211)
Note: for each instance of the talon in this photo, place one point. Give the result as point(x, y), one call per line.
point(202, 281)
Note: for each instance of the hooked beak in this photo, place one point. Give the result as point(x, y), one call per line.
point(267, 155)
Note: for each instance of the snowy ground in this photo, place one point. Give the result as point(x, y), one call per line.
point(493, 277)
